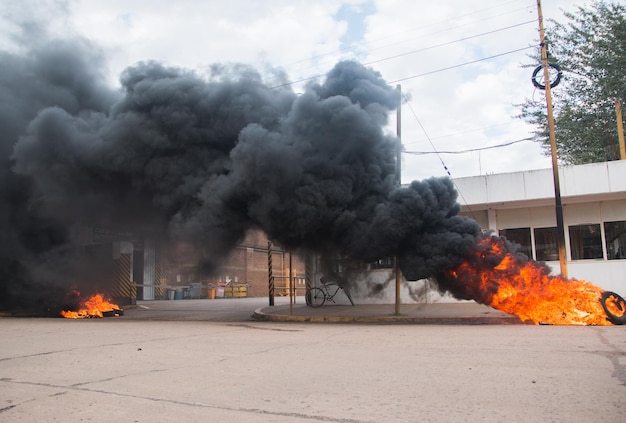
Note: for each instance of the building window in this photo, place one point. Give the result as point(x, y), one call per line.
point(585, 242)
point(615, 233)
point(384, 263)
point(545, 244)
point(520, 236)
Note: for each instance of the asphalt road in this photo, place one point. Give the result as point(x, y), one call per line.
point(140, 369)
point(222, 310)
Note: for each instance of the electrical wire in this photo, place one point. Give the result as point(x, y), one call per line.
point(481, 12)
point(455, 134)
point(406, 101)
point(460, 65)
point(286, 84)
point(426, 49)
point(449, 42)
point(470, 150)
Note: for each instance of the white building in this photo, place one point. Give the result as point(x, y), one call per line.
point(521, 206)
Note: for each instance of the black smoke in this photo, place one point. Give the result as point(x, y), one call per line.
point(175, 155)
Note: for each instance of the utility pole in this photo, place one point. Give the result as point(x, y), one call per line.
point(620, 128)
point(560, 227)
point(399, 135)
point(399, 179)
point(291, 286)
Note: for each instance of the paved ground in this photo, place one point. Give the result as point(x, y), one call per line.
point(172, 365)
point(247, 309)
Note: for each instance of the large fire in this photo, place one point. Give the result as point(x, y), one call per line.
point(94, 306)
point(526, 289)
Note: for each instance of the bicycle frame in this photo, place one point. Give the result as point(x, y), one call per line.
point(328, 295)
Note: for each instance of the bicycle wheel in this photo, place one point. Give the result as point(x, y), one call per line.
point(315, 297)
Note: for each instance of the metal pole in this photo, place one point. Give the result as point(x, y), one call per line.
point(399, 179)
point(290, 285)
point(398, 284)
point(620, 128)
point(308, 271)
point(560, 227)
point(270, 277)
point(399, 135)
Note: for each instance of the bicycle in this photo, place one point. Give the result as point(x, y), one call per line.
point(317, 296)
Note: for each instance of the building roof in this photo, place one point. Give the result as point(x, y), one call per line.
point(580, 183)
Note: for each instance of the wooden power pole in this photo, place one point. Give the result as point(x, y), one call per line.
point(397, 272)
point(555, 169)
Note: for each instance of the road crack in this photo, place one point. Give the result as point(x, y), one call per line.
point(256, 411)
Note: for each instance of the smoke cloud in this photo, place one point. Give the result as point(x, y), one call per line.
point(175, 155)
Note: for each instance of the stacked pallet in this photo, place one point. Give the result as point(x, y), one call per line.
point(236, 290)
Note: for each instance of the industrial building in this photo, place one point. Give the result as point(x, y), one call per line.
point(131, 268)
point(517, 205)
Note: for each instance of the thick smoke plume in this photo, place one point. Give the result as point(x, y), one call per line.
point(179, 156)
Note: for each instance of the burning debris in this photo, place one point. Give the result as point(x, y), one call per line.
point(513, 284)
point(94, 307)
point(177, 156)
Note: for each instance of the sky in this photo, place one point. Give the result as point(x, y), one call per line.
point(448, 105)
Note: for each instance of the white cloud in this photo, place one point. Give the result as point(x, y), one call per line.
point(193, 34)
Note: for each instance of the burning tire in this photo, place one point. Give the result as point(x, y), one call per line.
point(614, 306)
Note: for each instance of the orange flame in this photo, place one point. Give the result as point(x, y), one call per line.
point(93, 306)
point(526, 289)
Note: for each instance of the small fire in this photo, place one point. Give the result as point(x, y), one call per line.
point(94, 306)
point(525, 288)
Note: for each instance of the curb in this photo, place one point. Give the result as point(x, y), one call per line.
point(259, 315)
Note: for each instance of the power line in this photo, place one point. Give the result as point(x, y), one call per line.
point(419, 153)
point(455, 134)
point(440, 158)
point(460, 65)
point(406, 101)
point(481, 12)
point(450, 42)
point(286, 84)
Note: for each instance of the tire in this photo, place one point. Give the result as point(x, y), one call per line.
point(315, 297)
point(554, 83)
point(616, 312)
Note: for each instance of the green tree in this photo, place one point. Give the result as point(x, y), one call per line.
point(590, 48)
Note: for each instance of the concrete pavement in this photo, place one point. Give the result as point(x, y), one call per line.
point(141, 370)
point(210, 361)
